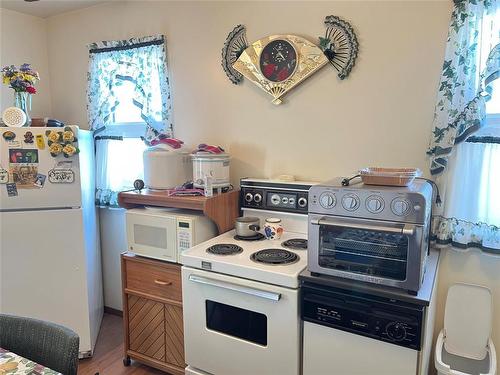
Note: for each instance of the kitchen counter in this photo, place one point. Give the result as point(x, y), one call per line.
point(422, 298)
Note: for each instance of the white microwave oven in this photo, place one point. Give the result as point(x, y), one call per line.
point(163, 233)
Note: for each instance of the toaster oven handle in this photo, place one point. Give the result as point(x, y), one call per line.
point(407, 229)
point(237, 288)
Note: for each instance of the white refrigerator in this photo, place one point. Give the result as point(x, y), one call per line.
point(50, 262)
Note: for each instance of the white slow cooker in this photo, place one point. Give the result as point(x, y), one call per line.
point(214, 165)
point(165, 167)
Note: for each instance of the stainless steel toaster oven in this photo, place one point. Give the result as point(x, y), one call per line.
point(376, 234)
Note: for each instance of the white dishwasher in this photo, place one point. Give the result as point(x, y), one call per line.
point(351, 333)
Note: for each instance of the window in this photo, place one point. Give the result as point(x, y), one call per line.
point(493, 105)
point(128, 95)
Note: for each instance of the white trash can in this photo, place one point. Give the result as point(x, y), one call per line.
point(464, 346)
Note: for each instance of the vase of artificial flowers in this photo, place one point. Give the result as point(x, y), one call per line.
point(22, 81)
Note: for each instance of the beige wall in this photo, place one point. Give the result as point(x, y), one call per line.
point(24, 39)
point(380, 115)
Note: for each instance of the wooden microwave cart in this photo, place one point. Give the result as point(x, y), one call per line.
point(152, 290)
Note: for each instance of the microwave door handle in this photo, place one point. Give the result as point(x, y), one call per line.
point(235, 287)
point(407, 229)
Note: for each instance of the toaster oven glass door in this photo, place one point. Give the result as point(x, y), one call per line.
point(369, 252)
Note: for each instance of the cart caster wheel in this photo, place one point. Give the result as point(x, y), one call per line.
point(126, 361)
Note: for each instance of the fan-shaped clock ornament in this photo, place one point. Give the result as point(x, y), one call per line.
point(277, 63)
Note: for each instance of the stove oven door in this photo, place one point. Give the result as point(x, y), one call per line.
point(235, 326)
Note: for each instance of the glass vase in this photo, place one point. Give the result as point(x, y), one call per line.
point(22, 100)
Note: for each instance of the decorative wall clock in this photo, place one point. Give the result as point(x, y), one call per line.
point(277, 63)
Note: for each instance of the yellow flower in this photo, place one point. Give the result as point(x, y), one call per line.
point(69, 150)
point(55, 148)
point(68, 136)
point(53, 136)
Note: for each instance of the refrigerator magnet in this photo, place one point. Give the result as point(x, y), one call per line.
point(14, 144)
point(9, 135)
point(23, 156)
point(40, 142)
point(24, 176)
point(11, 189)
point(40, 180)
point(28, 137)
point(61, 176)
point(4, 176)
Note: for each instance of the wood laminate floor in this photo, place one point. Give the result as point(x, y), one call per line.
point(108, 354)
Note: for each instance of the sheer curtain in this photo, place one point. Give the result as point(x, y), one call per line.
point(119, 150)
point(471, 214)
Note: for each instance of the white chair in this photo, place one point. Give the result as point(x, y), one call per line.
point(464, 346)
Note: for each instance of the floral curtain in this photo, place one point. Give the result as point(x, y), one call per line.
point(140, 66)
point(460, 108)
point(472, 63)
point(139, 61)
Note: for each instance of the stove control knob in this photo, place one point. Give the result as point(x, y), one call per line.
point(275, 199)
point(302, 202)
point(257, 198)
point(400, 206)
point(374, 204)
point(396, 331)
point(350, 202)
point(327, 200)
point(248, 197)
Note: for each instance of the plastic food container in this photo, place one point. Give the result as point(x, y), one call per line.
point(214, 165)
point(389, 176)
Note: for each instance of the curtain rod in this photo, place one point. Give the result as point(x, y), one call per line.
point(122, 48)
point(483, 139)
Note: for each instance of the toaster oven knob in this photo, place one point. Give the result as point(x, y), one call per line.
point(248, 197)
point(374, 204)
point(327, 200)
point(257, 198)
point(350, 202)
point(302, 202)
point(400, 206)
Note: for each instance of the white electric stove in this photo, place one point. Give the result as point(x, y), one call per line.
point(227, 255)
point(241, 298)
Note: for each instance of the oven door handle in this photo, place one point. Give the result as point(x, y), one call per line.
point(235, 287)
point(407, 229)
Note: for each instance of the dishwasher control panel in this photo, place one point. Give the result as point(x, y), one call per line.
point(376, 317)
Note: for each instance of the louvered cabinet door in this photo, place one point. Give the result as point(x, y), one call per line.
point(147, 327)
point(152, 313)
point(174, 336)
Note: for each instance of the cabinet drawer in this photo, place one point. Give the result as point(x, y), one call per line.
point(159, 280)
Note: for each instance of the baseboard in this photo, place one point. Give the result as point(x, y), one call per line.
point(110, 310)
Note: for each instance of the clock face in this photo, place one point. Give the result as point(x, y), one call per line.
point(278, 60)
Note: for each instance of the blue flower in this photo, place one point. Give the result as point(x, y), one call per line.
point(25, 67)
